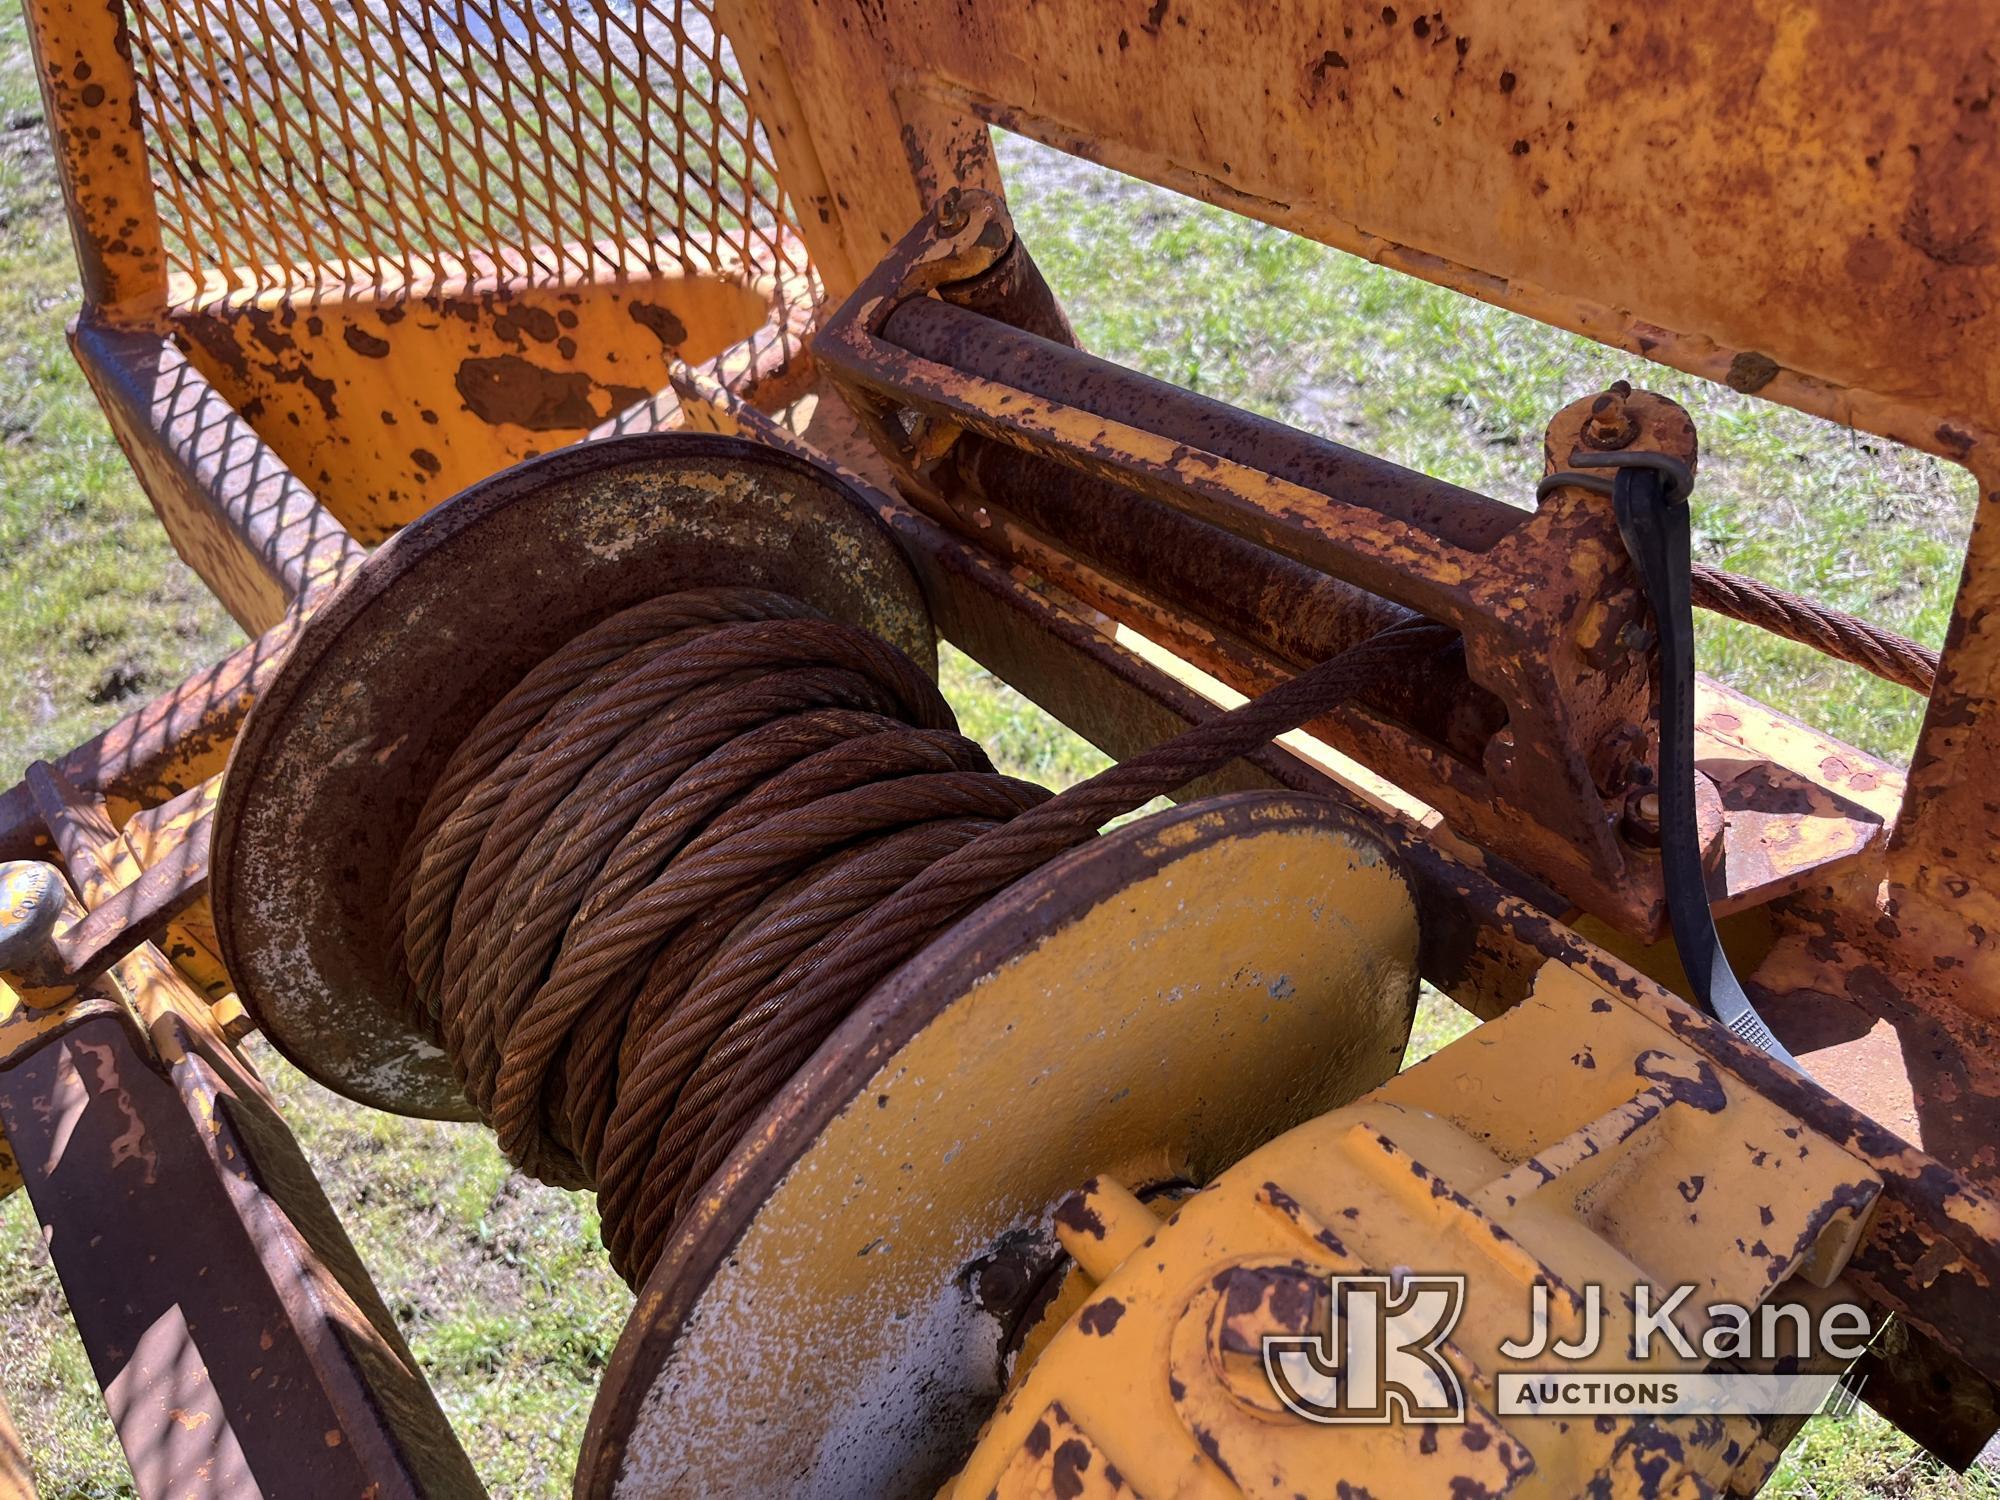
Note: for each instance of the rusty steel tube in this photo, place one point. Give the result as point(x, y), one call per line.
point(1014, 291)
point(965, 340)
point(1273, 603)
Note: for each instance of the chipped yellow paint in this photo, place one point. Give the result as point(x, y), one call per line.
point(189, 943)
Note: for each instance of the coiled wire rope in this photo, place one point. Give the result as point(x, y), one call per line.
point(665, 866)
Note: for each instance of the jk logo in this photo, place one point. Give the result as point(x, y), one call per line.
point(1378, 1360)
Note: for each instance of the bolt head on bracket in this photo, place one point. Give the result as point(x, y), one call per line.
point(1616, 418)
point(36, 907)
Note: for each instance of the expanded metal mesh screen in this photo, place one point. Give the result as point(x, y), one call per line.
point(306, 143)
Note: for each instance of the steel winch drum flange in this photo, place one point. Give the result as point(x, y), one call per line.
point(384, 680)
point(1152, 1005)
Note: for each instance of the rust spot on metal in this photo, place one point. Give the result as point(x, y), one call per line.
point(1101, 1316)
point(1075, 1212)
point(1038, 1439)
point(661, 322)
point(1692, 1082)
point(1750, 372)
point(1213, 1449)
point(506, 388)
point(1959, 442)
point(1067, 1469)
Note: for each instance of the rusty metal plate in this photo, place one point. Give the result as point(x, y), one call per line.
point(1604, 169)
point(252, 1357)
point(1150, 1006)
point(336, 758)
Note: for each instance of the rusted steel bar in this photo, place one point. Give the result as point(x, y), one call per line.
point(1381, 553)
point(82, 829)
point(130, 902)
point(253, 1356)
point(1295, 613)
point(139, 913)
point(1539, 598)
point(1547, 798)
point(90, 93)
point(153, 836)
point(964, 340)
point(121, 916)
point(1187, 567)
point(158, 751)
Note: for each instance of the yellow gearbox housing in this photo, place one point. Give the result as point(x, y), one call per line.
point(1570, 1144)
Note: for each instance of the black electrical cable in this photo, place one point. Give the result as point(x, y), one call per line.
point(1650, 493)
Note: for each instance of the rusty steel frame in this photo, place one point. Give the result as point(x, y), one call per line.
point(1607, 173)
point(1224, 533)
point(238, 395)
point(1482, 941)
point(1850, 295)
point(255, 1354)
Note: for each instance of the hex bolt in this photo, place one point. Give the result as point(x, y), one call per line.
point(1610, 424)
point(1641, 822)
point(36, 907)
point(1253, 1303)
point(1012, 1282)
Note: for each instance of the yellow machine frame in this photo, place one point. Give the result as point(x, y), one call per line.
point(339, 263)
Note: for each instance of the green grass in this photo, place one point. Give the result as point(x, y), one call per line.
point(96, 615)
point(499, 1282)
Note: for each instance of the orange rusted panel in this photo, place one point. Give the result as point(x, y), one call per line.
point(1604, 170)
point(387, 404)
point(401, 244)
point(81, 52)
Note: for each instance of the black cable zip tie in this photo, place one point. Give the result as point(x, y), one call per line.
point(1650, 492)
